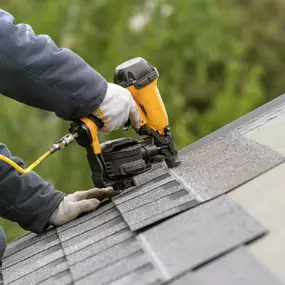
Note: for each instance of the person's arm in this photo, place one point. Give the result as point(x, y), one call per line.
point(26, 199)
point(33, 70)
point(35, 204)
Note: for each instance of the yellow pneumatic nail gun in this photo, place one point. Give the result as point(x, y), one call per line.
point(116, 162)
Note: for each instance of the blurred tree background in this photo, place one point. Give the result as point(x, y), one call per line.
point(217, 59)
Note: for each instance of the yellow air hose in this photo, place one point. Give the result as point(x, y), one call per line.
point(31, 167)
point(60, 144)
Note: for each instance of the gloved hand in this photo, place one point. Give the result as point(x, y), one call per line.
point(117, 107)
point(79, 202)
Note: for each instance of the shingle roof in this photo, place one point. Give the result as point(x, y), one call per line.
point(190, 225)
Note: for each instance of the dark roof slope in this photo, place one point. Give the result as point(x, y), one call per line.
point(177, 226)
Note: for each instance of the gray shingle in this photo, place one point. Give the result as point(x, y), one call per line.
point(104, 258)
point(144, 180)
point(224, 164)
point(211, 229)
point(235, 268)
point(26, 241)
point(115, 270)
point(161, 216)
point(94, 235)
point(143, 189)
point(156, 171)
point(154, 211)
point(63, 278)
point(153, 201)
point(31, 264)
point(43, 273)
point(145, 275)
point(99, 246)
point(30, 250)
point(88, 225)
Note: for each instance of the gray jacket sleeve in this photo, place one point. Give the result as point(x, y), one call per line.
point(26, 199)
point(33, 70)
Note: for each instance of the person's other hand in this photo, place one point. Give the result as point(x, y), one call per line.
point(117, 107)
point(79, 202)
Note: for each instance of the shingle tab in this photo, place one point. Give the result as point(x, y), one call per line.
point(44, 273)
point(29, 251)
point(156, 171)
point(27, 240)
point(115, 270)
point(89, 225)
point(225, 163)
point(143, 189)
point(235, 268)
point(90, 237)
point(157, 210)
point(153, 201)
point(104, 258)
point(99, 246)
point(163, 215)
point(31, 264)
point(145, 275)
point(198, 235)
point(63, 278)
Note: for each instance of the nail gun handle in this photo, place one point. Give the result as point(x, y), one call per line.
point(93, 124)
point(140, 78)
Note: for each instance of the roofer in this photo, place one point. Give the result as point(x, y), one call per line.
point(34, 71)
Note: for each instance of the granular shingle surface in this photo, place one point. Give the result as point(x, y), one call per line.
point(225, 163)
point(153, 201)
point(176, 226)
point(235, 268)
point(211, 229)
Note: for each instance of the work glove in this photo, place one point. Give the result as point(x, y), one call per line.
point(117, 107)
point(79, 202)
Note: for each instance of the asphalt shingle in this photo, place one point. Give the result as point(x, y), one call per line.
point(44, 273)
point(153, 201)
point(104, 258)
point(145, 275)
point(225, 163)
point(29, 251)
point(97, 234)
point(99, 246)
point(156, 171)
point(31, 264)
point(27, 240)
point(89, 225)
point(157, 210)
point(211, 229)
point(143, 189)
point(235, 268)
point(116, 270)
point(63, 278)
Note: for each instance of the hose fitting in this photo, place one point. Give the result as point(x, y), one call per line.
point(62, 143)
